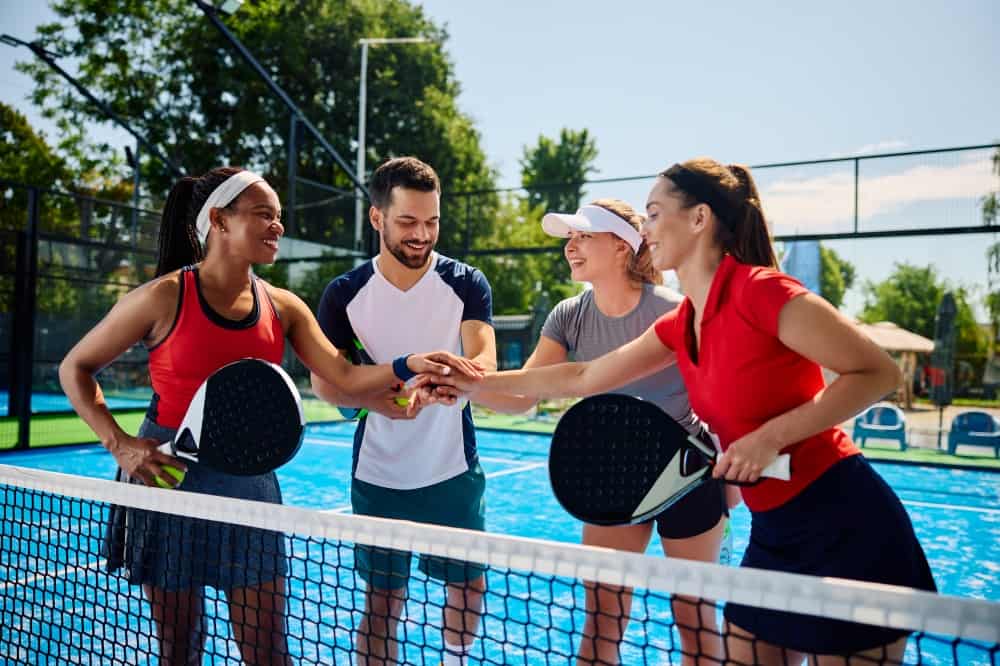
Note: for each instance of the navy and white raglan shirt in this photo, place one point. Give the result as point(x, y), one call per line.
point(440, 443)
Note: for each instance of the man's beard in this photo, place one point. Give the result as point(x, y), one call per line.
point(397, 250)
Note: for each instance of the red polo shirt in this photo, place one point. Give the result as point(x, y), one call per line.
point(743, 375)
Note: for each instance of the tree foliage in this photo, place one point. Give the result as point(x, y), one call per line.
point(25, 156)
point(520, 281)
point(27, 159)
point(567, 162)
point(836, 276)
point(162, 65)
point(909, 297)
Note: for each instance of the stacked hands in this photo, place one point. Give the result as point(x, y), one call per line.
point(743, 461)
point(442, 378)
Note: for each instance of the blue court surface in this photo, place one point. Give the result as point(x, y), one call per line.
point(57, 402)
point(956, 514)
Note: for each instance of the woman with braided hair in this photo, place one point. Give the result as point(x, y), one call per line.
point(204, 309)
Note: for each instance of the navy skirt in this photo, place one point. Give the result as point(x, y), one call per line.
point(174, 552)
point(847, 524)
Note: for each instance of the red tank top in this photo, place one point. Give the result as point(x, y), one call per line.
point(201, 341)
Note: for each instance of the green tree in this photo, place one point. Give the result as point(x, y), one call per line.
point(554, 171)
point(909, 298)
point(25, 156)
point(161, 65)
point(27, 159)
point(993, 277)
point(519, 280)
point(836, 276)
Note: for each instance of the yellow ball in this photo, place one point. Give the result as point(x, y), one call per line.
point(174, 472)
point(402, 401)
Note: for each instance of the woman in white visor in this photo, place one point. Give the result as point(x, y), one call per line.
point(604, 248)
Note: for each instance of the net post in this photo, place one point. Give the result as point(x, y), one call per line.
point(23, 340)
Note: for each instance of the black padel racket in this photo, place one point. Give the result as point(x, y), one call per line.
point(618, 460)
point(245, 419)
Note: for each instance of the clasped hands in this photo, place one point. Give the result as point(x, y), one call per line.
point(438, 373)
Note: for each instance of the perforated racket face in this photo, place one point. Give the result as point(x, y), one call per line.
point(252, 419)
point(607, 453)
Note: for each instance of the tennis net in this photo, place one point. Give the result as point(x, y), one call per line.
point(60, 605)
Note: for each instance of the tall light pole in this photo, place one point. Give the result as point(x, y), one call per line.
point(359, 200)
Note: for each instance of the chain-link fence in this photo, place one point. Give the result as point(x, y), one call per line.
point(66, 258)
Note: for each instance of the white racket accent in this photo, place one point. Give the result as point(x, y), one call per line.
point(168, 448)
point(780, 469)
point(669, 483)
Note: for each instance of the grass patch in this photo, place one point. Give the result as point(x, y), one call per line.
point(963, 402)
point(931, 457)
point(63, 428)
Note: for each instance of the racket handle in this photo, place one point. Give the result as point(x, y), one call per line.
point(780, 469)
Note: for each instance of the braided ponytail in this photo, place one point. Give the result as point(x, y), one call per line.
point(178, 245)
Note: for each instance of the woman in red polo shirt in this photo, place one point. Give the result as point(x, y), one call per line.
point(205, 309)
point(750, 342)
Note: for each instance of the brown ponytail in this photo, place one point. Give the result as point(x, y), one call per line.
point(640, 265)
point(178, 244)
point(732, 195)
point(750, 240)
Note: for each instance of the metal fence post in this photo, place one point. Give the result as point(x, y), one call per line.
point(857, 164)
point(23, 342)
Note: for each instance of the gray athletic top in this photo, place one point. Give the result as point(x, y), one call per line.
point(578, 325)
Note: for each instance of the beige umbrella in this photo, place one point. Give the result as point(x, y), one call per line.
point(891, 337)
point(906, 344)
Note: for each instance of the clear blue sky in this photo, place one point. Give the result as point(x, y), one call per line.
point(657, 82)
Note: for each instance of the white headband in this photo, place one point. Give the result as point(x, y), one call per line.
point(222, 196)
point(591, 218)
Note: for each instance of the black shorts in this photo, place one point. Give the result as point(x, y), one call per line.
point(847, 523)
point(696, 513)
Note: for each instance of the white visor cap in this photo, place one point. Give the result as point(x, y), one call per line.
point(593, 219)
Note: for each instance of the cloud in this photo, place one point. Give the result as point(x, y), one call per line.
point(826, 203)
point(887, 146)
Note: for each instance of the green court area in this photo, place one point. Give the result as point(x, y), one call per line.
point(67, 428)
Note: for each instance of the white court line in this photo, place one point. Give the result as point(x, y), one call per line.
point(339, 445)
point(952, 507)
point(58, 574)
point(515, 470)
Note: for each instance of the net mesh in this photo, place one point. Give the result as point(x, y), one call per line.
point(60, 605)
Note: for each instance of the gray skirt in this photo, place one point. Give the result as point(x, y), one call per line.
point(175, 552)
